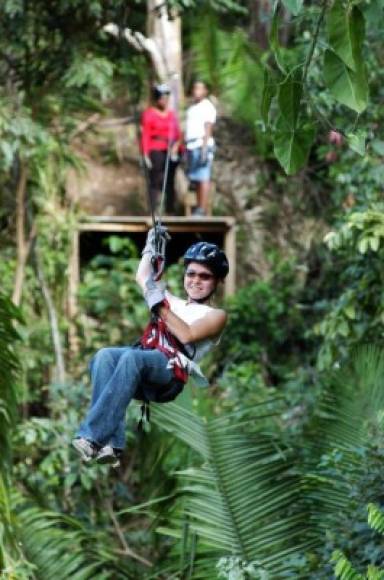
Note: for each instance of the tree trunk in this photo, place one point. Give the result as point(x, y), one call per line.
point(23, 246)
point(164, 27)
point(53, 320)
point(162, 45)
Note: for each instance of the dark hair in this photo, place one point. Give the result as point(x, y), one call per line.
point(203, 82)
point(160, 90)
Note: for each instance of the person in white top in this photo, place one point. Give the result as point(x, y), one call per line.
point(183, 330)
point(200, 120)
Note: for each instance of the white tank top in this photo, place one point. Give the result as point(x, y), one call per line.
point(189, 312)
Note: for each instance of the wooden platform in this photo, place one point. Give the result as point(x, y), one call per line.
point(189, 225)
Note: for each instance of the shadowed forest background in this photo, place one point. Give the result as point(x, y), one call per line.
point(277, 470)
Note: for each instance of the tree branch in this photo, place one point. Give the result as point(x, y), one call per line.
point(53, 319)
point(141, 43)
point(314, 40)
point(119, 532)
point(23, 246)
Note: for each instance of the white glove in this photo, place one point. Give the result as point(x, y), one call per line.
point(150, 244)
point(154, 294)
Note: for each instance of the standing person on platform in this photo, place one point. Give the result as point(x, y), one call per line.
point(160, 133)
point(200, 120)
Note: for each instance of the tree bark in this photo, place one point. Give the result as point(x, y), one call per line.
point(162, 45)
point(23, 246)
point(260, 11)
point(53, 320)
point(164, 27)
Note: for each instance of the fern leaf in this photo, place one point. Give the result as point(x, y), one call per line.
point(343, 568)
point(376, 518)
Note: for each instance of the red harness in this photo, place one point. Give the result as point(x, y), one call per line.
point(157, 336)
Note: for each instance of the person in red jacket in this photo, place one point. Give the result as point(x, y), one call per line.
point(160, 131)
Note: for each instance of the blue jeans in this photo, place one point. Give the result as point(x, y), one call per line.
point(116, 374)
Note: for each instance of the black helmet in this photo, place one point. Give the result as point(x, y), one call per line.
point(208, 254)
point(159, 90)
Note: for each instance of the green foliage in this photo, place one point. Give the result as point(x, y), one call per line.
point(355, 315)
point(340, 462)
point(57, 546)
point(343, 567)
point(10, 365)
point(276, 468)
point(241, 500)
point(376, 518)
point(109, 293)
point(293, 6)
point(280, 93)
point(344, 67)
point(266, 324)
point(91, 72)
point(231, 64)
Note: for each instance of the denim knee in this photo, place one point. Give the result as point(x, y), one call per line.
point(131, 357)
point(101, 355)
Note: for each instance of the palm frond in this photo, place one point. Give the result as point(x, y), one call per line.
point(244, 500)
point(9, 368)
point(58, 547)
point(351, 407)
point(376, 518)
point(343, 568)
point(8, 403)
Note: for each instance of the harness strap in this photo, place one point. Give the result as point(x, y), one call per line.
point(157, 336)
point(145, 416)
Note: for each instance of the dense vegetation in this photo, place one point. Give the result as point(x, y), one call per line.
point(276, 472)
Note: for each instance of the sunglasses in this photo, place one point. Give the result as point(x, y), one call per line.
point(203, 276)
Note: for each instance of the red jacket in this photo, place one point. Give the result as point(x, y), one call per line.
point(158, 130)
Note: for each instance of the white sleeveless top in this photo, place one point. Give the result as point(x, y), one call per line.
point(189, 312)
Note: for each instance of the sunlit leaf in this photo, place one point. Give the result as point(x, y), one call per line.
point(356, 141)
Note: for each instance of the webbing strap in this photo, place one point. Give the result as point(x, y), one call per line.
point(145, 416)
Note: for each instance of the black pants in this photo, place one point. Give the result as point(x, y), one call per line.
point(156, 178)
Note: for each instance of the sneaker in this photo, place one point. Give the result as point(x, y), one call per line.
point(108, 455)
point(85, 448)
point(198, 212)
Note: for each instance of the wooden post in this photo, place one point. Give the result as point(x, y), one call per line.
point(230, 250)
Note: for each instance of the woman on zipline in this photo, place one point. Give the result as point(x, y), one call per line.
point(182, 331)
point(160, 144)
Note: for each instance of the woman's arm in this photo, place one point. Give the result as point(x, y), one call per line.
point(208, 132)
point(144, 270)
point(210, 325)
